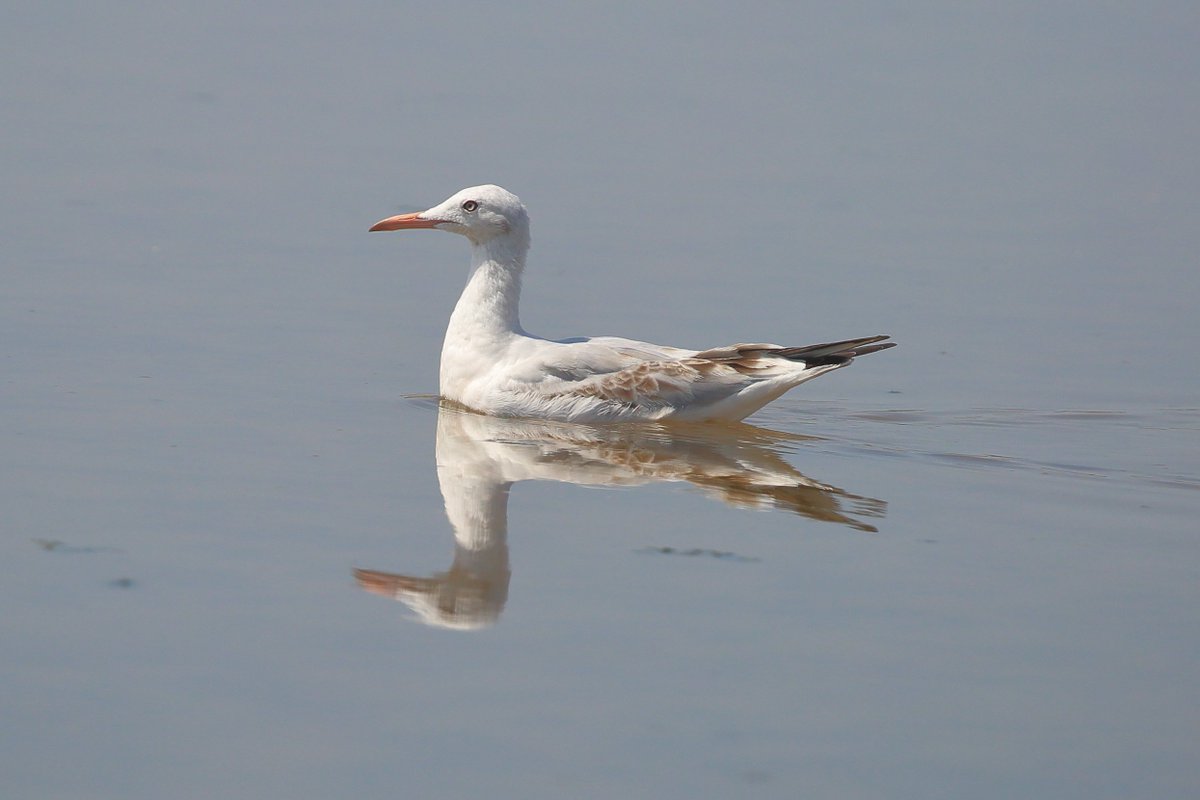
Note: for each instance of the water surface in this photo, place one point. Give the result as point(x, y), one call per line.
point(245, 554)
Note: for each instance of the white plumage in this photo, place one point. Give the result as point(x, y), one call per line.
point(491, 365)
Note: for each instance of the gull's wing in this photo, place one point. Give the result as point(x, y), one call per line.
point(726, 382)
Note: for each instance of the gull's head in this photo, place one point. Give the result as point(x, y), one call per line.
point(481, 213)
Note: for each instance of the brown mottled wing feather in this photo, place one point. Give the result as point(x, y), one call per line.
point(652, 383)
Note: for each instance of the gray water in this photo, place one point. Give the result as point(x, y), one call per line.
point(245, 554)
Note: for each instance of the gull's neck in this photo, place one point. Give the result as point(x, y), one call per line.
point(487, 316)
point(489, 305)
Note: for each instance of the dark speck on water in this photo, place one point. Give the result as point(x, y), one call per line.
point(57, 546)
point(722, 555)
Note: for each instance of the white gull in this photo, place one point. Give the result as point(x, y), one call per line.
point(492, 366)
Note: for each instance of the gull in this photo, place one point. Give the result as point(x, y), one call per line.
point(492, 366)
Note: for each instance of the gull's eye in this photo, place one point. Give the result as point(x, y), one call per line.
point(469, 206)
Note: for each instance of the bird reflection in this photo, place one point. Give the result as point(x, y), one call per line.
point(479, 458)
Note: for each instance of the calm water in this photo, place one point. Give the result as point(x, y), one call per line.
point(245, 554)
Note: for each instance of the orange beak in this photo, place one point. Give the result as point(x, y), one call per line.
point(404, 221)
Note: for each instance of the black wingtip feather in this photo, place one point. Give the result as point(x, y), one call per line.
point(874, 348)
point(846, 347)
point(836, 353)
